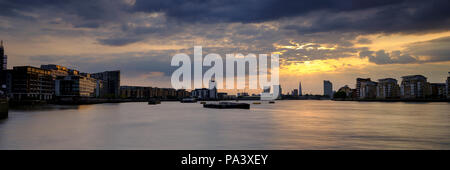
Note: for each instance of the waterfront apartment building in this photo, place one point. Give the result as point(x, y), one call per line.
point(155, 92)
point(328, 88)
point(243, 94)
point(414, 86)
point(280, 91)
point(31, 83)
point(72, 83)
point(77, 86)
point(388, 88)
point(266, 95)
point(358, 85)
point(437, 90)
point(168, 93)
point(111, 83)
point(56, 70)
point(368, 90)
point(226, 96)
point(134, 92)
point(269, 92)
point(201, 94)
point(222, 96)
point(266, 89)
point(182, 93)
point(139, 92)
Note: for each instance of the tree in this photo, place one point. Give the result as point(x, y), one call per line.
point(340, 95)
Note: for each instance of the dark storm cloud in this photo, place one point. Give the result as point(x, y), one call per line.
point(197, 10)
point(131, 64)
point(408, 17)
point(249, 10)
point(436, 50)
point(89, 14)
point(334, 22)
point(382, 57)
point(387, 16)
point(361, 16)
point(130, 34)
point(119, 41)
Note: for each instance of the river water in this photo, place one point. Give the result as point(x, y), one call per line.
point(284, 125)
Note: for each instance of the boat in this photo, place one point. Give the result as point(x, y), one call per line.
point(227, 105)
point(154, 101)
point(188, 100)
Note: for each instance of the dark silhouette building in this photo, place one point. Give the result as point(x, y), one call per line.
point(111, 83)
point(76, 86)
point(447, 86)
point(31, 83)
point(388, 88)
point(5, 74)
point(134, 92)
point(358, 85)
point(414, 86)
point(437, 90)
point(368, 90)
point(328, 88)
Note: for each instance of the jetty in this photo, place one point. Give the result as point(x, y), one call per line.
point(227, 105)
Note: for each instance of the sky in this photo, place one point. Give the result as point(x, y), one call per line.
point(336, 40)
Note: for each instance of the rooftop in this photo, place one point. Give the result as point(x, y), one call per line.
point(387, 80)
point(414, 77)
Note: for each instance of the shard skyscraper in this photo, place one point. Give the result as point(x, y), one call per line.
point(300, 89)
point(3, 57)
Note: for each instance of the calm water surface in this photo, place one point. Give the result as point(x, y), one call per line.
point(285, 125)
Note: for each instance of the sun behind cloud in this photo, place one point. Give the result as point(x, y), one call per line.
point(322, 66)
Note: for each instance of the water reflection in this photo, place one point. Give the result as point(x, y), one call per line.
point(33, 108)
point(354, 125)
point(285, 125)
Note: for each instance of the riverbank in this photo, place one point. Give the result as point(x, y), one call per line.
point(80, 101)
point(85, 101)
point(75, 101)
point(394, 100)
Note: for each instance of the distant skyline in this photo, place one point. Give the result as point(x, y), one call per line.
point(336, 40)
